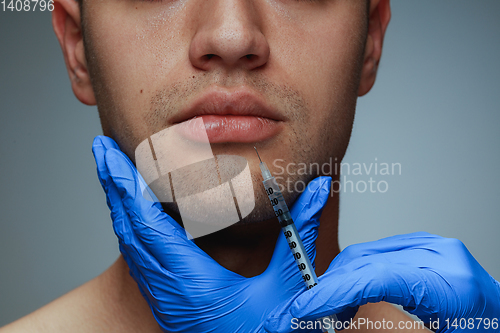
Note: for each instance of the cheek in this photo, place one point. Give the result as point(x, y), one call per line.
point(135, 51)
point(322, 61)
point(320, 48)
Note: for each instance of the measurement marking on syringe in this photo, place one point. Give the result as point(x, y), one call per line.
point(290, 231)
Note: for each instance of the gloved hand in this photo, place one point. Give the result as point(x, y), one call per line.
point(432, 277)
point(186, 289)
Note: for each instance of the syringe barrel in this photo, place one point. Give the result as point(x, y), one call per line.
point(306, 269)
point(292, 235)
point(300, 255)
point(279, 205)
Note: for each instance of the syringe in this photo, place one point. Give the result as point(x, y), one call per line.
point(292, 235)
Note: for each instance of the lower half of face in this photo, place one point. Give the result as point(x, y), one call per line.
point(157, 64)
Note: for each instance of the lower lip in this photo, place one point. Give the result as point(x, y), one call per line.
point(231, 128)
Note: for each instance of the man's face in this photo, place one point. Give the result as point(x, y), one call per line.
point(155, 63)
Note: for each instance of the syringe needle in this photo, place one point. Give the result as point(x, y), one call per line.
point(257, 153)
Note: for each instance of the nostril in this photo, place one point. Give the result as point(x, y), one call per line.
point(248, 56)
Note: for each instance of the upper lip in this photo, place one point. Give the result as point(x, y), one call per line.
point(218, 101)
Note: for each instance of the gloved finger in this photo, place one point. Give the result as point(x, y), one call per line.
point(415, 289)
point(280, 320)
point(141, 268)
point(307, 209)
point(159, 233)
point(99, 147)
point(135, 273)
point(121, 220)
point(286, 323)
point(163, 289)
point(416, 240)
point(305, 212)
point(153, 280)
point(135, 254)
point(160, 289)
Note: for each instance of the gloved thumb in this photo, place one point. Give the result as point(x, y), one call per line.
point(307, 210)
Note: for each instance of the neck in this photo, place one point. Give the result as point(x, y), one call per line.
point(327, 243)
point(247, 249)
point(246, 252)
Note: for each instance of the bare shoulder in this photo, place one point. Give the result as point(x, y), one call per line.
point(109, 303)
point(73, 312)
point(112, 303)
point(384, 317)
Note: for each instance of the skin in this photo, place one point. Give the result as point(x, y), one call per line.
point(141, 62)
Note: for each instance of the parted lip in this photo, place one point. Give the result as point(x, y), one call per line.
point(223, 102)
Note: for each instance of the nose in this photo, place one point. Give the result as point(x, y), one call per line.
point(228, 37)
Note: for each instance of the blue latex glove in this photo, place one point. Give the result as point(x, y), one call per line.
point(430, 276)
point(186, 289)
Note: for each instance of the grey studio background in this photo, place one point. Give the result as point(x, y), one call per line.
point(434, 109)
